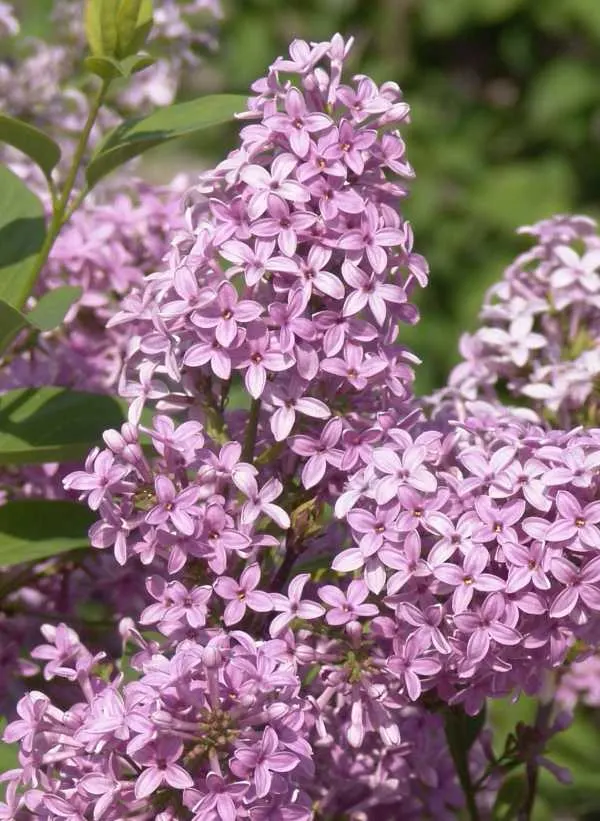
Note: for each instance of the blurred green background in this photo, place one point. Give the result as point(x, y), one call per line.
point(506, 123)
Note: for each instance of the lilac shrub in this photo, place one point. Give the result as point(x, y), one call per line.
point(336, 581)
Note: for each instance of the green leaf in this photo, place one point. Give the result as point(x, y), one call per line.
point(134, 137)
point(135, 63)
point(462, 730)
point(35, 529)
point(53, 306)
point(101, 27)
point(134, 22)
point(105, 67)
point(54, 424)
point(510, 797)
point(22, 233)
point(11, 322)
point(564, 89)
point(110, 69)
point(31, 141)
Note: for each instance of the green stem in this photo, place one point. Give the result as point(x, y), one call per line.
point(543, 718)
point(459, 745)
point(61, 211)
point(251, 432)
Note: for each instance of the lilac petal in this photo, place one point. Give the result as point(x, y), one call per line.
point(561, 530)
point(259, 601)
point(478, 645)
point(278, 515)
point(262, 780)
point(504, 634)
point(348, 560)
point(148, 782)
point(178, 778)
point(255, 380)
point(282, 762)
point(332, 596)
point(590, 595)
point(412, 684)
point(234, 612)
point(564, 603)
point(314, 470)
point(226, 807)
point(567, 505)
point(183, 521)
point(310, 610)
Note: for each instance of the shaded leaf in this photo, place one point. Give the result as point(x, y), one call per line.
point(53, 306)
point(462, 729)
point(22, 233)
point(135, 63)
point(34, 529)
point(31, 141)
point(134, 137)
point(54, 424)
point(510, 797)
point(11, 322)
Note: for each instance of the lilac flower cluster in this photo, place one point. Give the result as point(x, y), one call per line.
point(297, 266)
point(484, 543)
point(119, 235)
point(229, 712)
point(540, 337)
point(217, 723)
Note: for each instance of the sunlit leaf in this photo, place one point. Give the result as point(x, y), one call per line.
point(134, 137)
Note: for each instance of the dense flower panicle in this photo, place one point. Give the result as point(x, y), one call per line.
point(215, 725)
point(109, 245)
point(540, 334)
point(495, 575)
point(296, 267)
